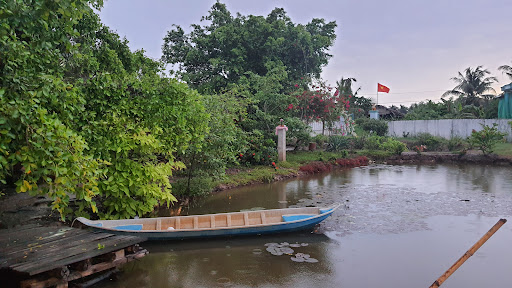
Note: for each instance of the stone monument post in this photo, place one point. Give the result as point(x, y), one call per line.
point(281, 141)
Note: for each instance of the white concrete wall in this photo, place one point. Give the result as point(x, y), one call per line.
point(316, 127)
point(447, 128)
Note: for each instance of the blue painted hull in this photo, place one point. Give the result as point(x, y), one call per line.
point(281, 227)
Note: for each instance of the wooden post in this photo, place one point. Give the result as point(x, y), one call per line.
point(468, 254)
point(281, 144)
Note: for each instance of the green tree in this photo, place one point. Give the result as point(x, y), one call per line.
point(224, 140)
point(428, 110)
point(218, 54)
point(81, 115)
point(473, 86)
point(359, 106)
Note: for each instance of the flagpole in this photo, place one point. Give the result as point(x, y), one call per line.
point(377, 95)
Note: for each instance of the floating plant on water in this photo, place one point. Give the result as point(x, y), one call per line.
point(301, 257)
point(285, 248)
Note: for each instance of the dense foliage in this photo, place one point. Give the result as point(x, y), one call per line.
point(81, 116)
point(373, 126)
point(220, 53)
point(259, 61)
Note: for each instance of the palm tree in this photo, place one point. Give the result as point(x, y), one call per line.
point(472, 86)
point(506, 70)
point(345, 86)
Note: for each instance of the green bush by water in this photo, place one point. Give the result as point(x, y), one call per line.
point(373, 126)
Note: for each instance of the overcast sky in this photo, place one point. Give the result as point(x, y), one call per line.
point(413, 47)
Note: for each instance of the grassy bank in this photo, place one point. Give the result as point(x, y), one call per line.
point(503, 149)
point(241, 175)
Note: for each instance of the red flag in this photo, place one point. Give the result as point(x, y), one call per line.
point(382, 88)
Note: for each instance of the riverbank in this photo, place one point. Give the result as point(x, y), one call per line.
point(21, 208)
point(306, 162)
point(471, 157)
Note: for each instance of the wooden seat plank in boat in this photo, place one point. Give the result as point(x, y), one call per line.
point(228, 220)
point(263, 218)
point(246, 219)
point(212, 221)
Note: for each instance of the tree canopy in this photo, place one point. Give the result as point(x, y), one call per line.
point(221, 52)
point(81, 116)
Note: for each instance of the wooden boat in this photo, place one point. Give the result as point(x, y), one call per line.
point(211, 225)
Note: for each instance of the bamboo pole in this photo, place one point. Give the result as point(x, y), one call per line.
point(468, 253)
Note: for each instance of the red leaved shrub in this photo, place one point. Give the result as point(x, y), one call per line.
point(354, 162)
point(315, 167)
point(318, 167)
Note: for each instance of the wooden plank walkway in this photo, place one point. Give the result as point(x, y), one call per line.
point(39, 256)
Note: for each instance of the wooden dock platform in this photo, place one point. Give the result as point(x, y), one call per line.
point(36, 256)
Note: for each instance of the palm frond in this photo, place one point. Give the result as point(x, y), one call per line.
point(506, 69)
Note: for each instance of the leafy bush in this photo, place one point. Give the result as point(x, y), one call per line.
point(338, 143)
point(376, 154)
point(198, 186)
point(373, 142)
point(358, 142)
point(394, 146)
point(486, 139)
point(373, 126)
point(320, 139)
point(456, 144)
point(298, 131)
point(81, 115)
point(433, 143)
point(258, 151)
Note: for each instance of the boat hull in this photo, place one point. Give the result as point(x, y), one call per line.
point(281, 227)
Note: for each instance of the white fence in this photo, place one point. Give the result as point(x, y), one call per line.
point(446, 128)
point(316, 128)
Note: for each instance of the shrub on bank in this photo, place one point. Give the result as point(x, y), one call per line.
point(456, 144)
point(318, 167)
point(373, 126)
point(486, 139)
point(338, 143)
point(394, 146)
point(433, 143)
point(315, 167)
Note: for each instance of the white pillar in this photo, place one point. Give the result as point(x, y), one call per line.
point(281, 144)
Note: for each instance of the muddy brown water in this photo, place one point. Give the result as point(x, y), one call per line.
point(399, 226)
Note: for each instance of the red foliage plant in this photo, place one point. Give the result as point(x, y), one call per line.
point(318, 167)
point(315, 167)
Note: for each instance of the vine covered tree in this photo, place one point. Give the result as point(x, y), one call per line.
point(220, 53)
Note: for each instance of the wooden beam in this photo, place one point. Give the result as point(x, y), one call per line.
point(468, 253)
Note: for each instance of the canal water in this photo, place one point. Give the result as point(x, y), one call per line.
point(398, 226)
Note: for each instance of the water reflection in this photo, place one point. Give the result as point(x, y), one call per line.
point(242, 262)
